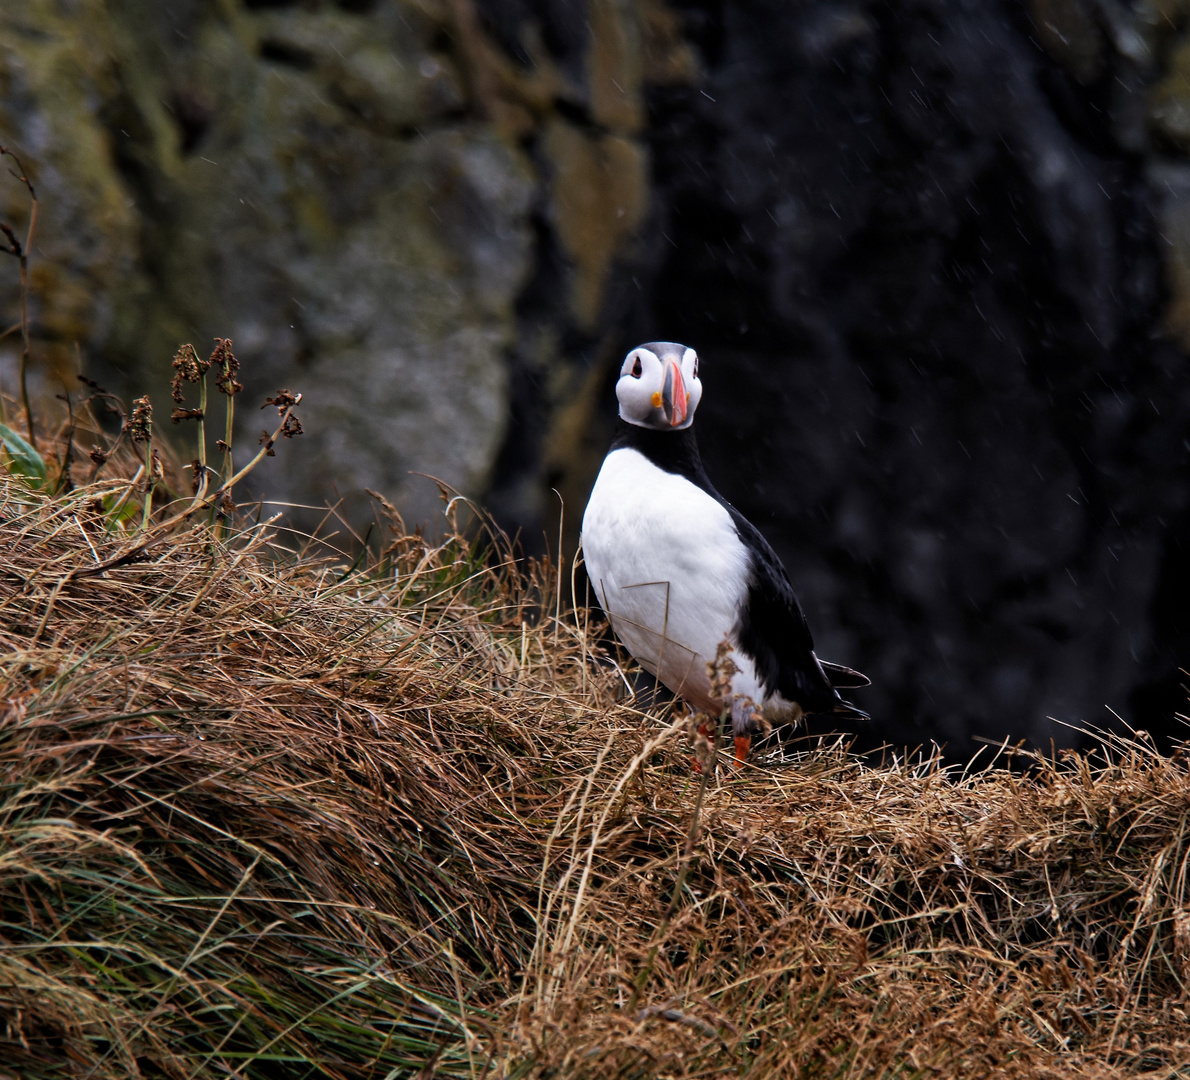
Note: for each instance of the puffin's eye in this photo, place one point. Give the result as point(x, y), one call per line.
point(696, 367)
point(636, 369)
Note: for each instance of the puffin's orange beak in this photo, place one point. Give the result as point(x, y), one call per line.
point(674, 397)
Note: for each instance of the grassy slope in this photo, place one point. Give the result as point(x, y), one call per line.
point(262, 819)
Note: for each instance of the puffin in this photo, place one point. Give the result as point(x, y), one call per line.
point(680, 572)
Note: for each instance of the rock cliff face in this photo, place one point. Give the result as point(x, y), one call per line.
point(305, 179)
point(935, 256)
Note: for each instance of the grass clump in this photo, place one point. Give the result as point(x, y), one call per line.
point(263, 815)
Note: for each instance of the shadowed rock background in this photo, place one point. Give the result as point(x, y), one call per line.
point(935, 255)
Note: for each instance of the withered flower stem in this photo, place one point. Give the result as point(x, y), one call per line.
point(150, 474)
point(201, 481)
point(189, 368)
point(139, 427)
point(215, 497)
point(226, 365)
point(228, 466)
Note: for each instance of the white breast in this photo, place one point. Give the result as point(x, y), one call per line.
point(671, 572)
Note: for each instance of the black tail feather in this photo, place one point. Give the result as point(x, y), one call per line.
point(844, 710)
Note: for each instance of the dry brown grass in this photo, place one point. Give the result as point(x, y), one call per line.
point(263, 816)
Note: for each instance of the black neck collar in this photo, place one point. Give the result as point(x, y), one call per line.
point(671, 451)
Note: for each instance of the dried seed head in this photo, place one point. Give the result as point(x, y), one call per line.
point(139, 425)
point(221, 445)
point(157, 469)
point(720, 670)
point(196, 468)
point(178, 415)
point(291, 427)
point(267, 443)
point(187, 368)
point(98, 455)
point(704, 747)
point(285, 399)
point(226, 365)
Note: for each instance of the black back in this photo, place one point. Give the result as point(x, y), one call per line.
point(773, 628)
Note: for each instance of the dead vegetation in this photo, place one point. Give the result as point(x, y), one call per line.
point(266, 816)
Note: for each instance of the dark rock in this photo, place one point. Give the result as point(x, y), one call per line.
point(921, 265)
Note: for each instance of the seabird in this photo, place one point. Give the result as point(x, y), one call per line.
point(679, 570)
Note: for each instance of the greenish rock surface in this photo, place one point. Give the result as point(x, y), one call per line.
point(357, 194)
point(55, 78)
point(306, 182)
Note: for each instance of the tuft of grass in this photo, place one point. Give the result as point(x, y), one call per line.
point(265, 815)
